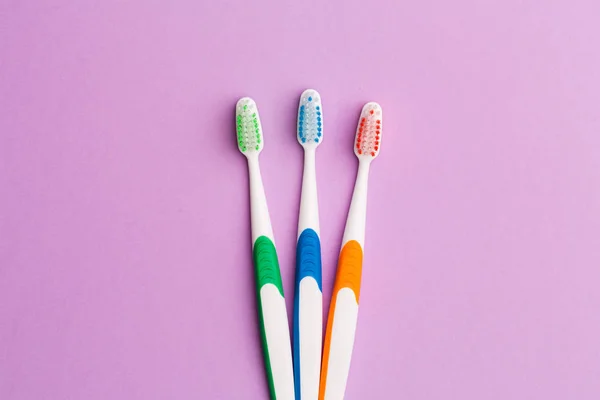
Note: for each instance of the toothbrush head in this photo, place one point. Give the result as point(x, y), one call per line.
point(310, 119)
point(248, 128)
point(368, 132)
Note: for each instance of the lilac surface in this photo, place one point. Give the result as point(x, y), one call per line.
point(124, 224)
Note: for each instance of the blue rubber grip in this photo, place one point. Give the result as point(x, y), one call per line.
point(308, 264)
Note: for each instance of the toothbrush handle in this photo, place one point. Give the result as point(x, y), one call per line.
point(341, 323)
point(308, 315)
point(274, 325)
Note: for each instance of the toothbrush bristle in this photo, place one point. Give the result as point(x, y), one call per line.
point(310, 118)
point(368, 132)
point(247, 124)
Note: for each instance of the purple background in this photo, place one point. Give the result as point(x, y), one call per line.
point(124, 224)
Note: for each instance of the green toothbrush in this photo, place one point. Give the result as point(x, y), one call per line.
point(272, 312)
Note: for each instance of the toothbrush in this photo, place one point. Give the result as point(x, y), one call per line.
point(308, 302)
point(343, 311)
point(272, 312)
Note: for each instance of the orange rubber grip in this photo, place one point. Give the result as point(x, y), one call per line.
point(349, 272)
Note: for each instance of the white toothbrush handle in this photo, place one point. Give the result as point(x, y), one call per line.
point(343, 312)
point(272, 312)
point(308, 302)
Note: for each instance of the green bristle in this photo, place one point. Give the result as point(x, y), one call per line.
point(249, 131)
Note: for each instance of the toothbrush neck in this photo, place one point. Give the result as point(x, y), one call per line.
point(259, 212)
point(309, 158)
point(363, 169)
point(309, 207)
point(253, 166)
point(357, 215)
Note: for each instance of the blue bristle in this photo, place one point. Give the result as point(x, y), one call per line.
point(310, 121)
point(300, 123)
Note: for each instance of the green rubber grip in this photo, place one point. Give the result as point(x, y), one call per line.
point(266, 264)
point(266, 267)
